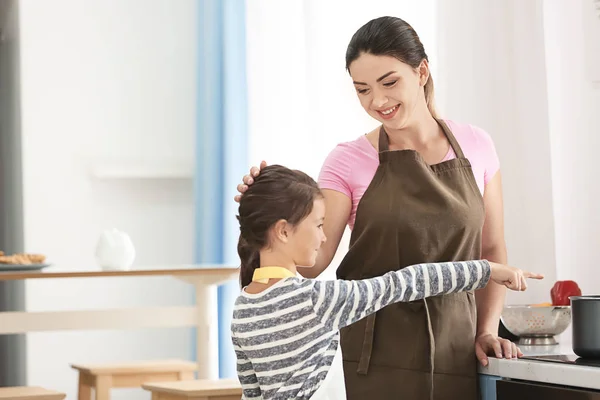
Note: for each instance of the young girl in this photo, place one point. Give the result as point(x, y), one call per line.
point(285, 328)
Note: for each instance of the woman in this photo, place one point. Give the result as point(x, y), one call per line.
point(417, 189)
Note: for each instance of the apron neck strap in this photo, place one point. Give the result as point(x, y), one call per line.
point(384, 141)
point(451, 139)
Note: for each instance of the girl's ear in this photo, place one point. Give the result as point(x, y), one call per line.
point(281, 230)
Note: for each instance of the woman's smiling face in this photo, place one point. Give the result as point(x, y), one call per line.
point(388, 89)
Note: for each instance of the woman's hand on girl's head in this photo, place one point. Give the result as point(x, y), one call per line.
point(248, 180)
point(512, 278)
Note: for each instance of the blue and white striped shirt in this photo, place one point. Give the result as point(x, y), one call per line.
point(285, 337)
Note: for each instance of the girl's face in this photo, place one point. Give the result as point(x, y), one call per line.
point(388, 89)
point(305, 239)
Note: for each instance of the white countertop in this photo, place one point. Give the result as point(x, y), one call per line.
point(543, 371)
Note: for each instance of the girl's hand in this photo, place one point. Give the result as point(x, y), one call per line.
point(512, 278)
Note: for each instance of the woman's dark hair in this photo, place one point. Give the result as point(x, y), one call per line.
point(391, 36)
point(278, 193)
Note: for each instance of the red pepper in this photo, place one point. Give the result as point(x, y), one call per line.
point(561, 291)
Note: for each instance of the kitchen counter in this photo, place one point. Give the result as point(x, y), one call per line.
point(543, 371)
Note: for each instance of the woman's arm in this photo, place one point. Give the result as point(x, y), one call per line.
point(490, 300)
point(337, 211)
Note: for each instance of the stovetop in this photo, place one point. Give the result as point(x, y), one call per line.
point(565, 359)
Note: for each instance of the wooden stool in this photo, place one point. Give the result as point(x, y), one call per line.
point(204, 389)
point(30, 393)
point(103, 377)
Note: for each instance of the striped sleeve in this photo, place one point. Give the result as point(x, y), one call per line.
point(246, 374)
point(339, 303)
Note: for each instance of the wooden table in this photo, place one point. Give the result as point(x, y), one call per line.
point(202, 315)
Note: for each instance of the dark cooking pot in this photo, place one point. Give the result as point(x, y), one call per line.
point(585, 314)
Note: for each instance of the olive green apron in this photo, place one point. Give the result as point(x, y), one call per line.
point(413, 213)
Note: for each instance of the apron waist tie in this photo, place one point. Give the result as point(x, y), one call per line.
point(431, 349)
point(367, 347)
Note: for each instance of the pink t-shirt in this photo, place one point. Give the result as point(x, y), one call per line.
point(350, 166)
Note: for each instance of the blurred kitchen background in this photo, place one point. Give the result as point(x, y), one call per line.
point(144, 115)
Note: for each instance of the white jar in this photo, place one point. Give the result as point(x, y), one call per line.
point(115, 250)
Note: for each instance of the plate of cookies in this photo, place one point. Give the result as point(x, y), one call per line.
point(22, 262)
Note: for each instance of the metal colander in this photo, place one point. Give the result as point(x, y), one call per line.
point(534, 324)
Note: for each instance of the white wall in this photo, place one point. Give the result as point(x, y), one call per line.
point(574, 102)
point(492, 74)
point(106, 81)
